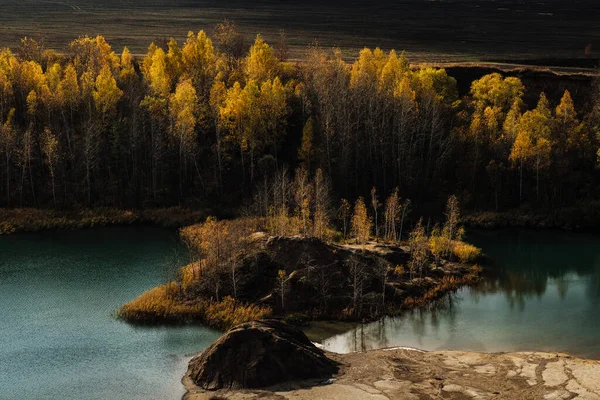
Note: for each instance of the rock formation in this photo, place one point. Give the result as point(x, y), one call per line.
point(259, 354)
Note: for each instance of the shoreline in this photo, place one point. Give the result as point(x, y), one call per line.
point(406, 373)
point(21, 220)
point(169, 303)
point(223, 315)
point(578, 218)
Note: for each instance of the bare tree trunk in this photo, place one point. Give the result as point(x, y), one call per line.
point(521, 182)
point(402, 222)
point(53, 186)
point(87, 179)
point(7, 177)
point(219, 162)
point(537, 179)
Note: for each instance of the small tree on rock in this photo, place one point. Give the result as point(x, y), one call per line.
point(361, 223)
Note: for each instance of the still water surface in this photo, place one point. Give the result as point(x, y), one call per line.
point(543, 294)
point(58, 338)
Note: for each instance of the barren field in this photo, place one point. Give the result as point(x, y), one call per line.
point(430, 30)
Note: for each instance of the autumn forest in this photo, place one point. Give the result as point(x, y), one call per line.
point(212, 120)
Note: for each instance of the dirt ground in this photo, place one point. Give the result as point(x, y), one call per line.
point(411, 374)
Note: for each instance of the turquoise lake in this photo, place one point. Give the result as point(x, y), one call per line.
point(59, 290)
point(58, 336)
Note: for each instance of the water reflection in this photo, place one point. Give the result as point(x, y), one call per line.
point(524, 262)
point(541, 293)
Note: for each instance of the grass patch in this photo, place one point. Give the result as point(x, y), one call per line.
point(465, 252)
point(35, 220)
point(448, 284)
point(162, 304)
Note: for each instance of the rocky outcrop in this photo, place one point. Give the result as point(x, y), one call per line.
point(410, 374)
point(259, 354)
point(320, 278)
point(319, 273)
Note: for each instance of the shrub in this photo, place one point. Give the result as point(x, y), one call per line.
point(159, 304)
point(163, 304)
point(230, 312)
point(465, 252)
point(438, 246)
point(189, 274)
point(399, 271)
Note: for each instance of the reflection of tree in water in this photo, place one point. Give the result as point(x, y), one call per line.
point(524, 261)
point(562, 286)
point(526, 265)
point(375, 335)
point(443, 309)
point(593, 288)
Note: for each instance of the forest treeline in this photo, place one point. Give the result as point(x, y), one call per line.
point(211, 121)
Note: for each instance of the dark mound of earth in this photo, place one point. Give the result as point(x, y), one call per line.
point(259, 354)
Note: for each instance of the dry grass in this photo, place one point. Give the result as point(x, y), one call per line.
point(159, 304)
point(172, 216)
point(162, 304)
point(447, 285)
point(229, 312)
point(35, 220)
point(189, 274)
point(465, 252)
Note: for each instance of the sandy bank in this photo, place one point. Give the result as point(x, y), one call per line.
point(409, 374)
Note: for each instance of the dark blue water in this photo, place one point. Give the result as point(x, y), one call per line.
point(58, 338)
point(543, 294)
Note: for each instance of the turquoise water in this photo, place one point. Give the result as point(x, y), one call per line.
point(543, 293)
point(58, 338)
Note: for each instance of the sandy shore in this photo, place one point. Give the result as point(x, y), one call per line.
point(411, 374)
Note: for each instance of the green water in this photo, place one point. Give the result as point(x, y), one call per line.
point(58, 338)
point(543, 293)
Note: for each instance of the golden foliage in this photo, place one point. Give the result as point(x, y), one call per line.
point(189, 274)
point(156, 72)
point(361, 223)
point(198, 58)
point(229, 312)
point(495, 91)
point(261, 63)
point(438, 245)
point(183, 109)
point(161, 304)
point(465, 252)
point(219, 247)
point(106, 93)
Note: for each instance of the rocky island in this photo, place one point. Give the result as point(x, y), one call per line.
point(245, 275)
